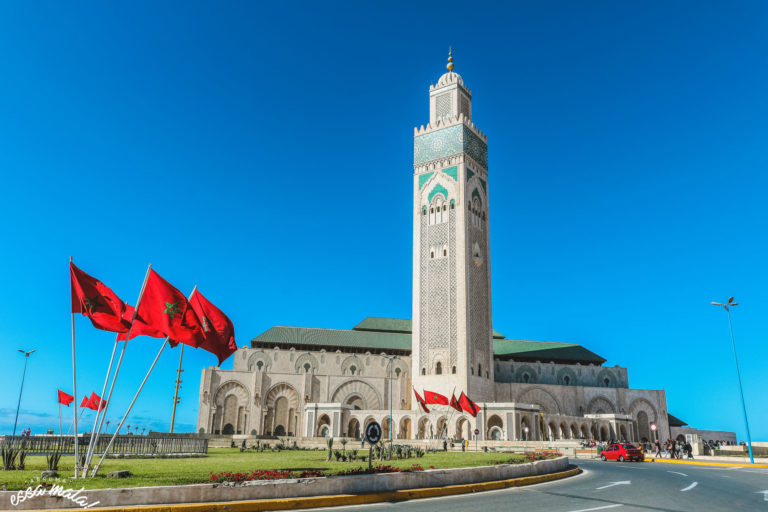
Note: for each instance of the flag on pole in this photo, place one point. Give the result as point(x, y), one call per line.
point(431, 397)
point(65, 398)
point(84, 403)
point(217, 328)
point(139, 327)
point(166, 310)
point(468, 405)
point(95, 402)
point(421, 401)
point(95, 300)
point(455, 403)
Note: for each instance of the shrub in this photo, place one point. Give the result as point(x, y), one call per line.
point(329, 442)
point(9, 453)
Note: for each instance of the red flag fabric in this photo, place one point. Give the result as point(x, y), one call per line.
point(455, 403)
point(95, 300)
point(163, 308)
point(95, 402)
point(64, 398)
point(421, 402)
point(217, 327)
point(139, 328)
point(468, 405)
point(84, 403)
point(431, 397)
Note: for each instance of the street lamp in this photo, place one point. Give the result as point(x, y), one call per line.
point(391, 358)
point(24, 374)
point(727, 307)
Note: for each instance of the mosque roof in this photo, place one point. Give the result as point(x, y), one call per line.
point(377, 334)
point(675, 422)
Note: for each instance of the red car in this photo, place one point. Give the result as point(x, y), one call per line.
point(621, 452)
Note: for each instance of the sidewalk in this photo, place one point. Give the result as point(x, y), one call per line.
point(706, 460)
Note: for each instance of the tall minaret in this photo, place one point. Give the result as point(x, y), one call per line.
point(452, 334)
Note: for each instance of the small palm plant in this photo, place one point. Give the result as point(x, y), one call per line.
point(329, 442)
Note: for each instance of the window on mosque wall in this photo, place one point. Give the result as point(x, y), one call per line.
point(259, 365)
point(607, 382)
point(397, 372)
point(526, 377)
point(567, 380)
point(307, 367)
point(453, 370)
point(352, 369)
point(439, 368)
point(423, 371)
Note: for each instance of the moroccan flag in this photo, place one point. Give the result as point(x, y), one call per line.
point(217, 327)
point(95, 300)
point(455, 403)
point(95, 402)
point(84, 403)
point(468, 405)
point(163, 308)
point(139, 328)
point(65, 399)
point(422, 403)
point(431, 397)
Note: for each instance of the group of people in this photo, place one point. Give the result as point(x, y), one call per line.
point(674, 449)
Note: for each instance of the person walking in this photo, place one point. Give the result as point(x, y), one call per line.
point(689, 450)
point(658, 450)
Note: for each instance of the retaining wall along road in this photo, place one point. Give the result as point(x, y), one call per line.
point(272, 489)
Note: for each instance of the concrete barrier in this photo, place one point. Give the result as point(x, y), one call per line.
point(278, 489)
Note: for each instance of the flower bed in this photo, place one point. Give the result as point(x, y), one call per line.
point(270, 474)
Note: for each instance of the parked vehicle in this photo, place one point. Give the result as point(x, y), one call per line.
point(622, 452)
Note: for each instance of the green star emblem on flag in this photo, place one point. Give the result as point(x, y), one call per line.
point(206, 328)
point(171, 309)
point(92, 303)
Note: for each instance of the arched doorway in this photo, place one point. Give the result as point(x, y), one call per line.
point(228, 429)
point(584, 432)
point(495, 428)
point(356, 402)
point(563, 431)
point(385, 425)
point(424, 428)
point(525, 425)
point(442, 427)
point(604, 433)
point(623, 433)
point(643, 427)
point(551, 431)
point(462, 428)
point(323, 426)
point(405, 428)
point(279, 430)
point(353, 428)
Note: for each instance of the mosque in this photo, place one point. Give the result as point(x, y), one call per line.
point(310, 382)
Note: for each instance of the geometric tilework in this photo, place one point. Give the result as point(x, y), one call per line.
point(423, 178)
point(449, 141)
point(452, 172)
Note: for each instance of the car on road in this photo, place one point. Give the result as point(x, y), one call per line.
point(622, 452)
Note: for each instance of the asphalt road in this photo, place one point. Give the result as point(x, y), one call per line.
point(613, 487)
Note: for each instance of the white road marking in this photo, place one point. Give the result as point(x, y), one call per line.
point(677, 473)
point(764, 493)
point(597, 508)
point(624, 482)
point(694, 484)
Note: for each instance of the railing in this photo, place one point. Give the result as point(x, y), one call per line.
point(126, 445)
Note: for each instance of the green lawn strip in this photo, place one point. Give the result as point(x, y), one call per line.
point(150, 472)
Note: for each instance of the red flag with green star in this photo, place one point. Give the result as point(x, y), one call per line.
point(431, 397)
point(95, 300)
point(164, 309)
point(217, 327)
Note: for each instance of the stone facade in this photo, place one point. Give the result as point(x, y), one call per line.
point(319, 382)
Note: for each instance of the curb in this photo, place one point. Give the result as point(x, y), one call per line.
point(342, 499)
point(705, 463)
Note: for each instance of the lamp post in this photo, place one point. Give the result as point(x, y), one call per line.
point(24, 374)
point(727, 307)
point(391, 358)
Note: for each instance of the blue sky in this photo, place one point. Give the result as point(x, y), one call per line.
point(264, 153)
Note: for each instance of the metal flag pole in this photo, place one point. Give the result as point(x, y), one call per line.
point(128, 411)
point(94, 434)
point(176, 393)
point(120, 362)
point(74, 371)
point(61, 429)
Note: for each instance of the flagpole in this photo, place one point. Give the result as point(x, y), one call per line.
point(176, 393)
point(61, 429)
point(94, 433)
point(74, 370)
point(69, 428)
point(125, 416)
point(120, 361)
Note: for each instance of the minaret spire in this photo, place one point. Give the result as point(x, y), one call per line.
point(450, 60)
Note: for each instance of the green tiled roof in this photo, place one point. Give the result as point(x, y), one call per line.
point(394, 334)
point(675, 422)
point(333, 338)
point(403, 325)
point(544, 351)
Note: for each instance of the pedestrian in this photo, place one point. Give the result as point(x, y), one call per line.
point(658, 450)
point(689, 449)
point(445, 445)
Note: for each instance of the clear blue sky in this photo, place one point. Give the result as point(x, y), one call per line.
point(264, 152)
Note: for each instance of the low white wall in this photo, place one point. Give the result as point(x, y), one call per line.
point(357, 484)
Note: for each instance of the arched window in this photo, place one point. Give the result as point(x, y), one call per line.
point(397, 372)
point(439, 368)
point(526, 377)
point(453, 370)
point(472, 370)
point(423, 371)
point(445, 252)
point(567, 380)
point(259, 365)
point(479, 370)
point(307, 367)
point(607, 382)
point(352, 369)
point(431, 254)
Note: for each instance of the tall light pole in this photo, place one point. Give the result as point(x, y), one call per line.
point(727, 307)
point(391, 358)
point(24, 374)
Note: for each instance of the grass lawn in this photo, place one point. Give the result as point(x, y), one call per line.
point(147, 472)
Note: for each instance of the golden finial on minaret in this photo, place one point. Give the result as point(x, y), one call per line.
point(450, 60)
